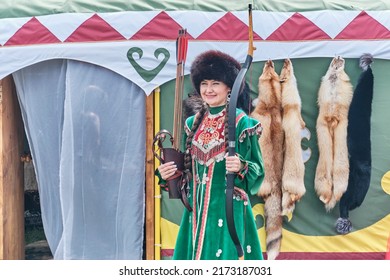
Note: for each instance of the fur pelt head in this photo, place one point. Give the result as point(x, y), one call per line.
point(337, 63)
point(287, 73)
point(269, 72)
point(365, 61)
point(269, 89)
point(336, 70)
point(214, 65)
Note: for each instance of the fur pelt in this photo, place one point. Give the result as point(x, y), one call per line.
point(268, 112)
point(293, 186)
point(334, 98)
point(359, 145)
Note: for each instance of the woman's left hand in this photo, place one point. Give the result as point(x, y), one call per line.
point(233, 163)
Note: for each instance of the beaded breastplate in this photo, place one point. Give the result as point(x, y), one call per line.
point(208, 144)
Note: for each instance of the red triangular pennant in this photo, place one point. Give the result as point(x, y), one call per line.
point(364, 27)
point(298, 28)
point(32, 32)
point(229, 28)
point(95, 29)
point(160, 27)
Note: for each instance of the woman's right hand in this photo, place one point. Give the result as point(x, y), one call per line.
point(167, 169)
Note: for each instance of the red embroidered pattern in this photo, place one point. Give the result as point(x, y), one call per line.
point(209, 141)
point(210, 129)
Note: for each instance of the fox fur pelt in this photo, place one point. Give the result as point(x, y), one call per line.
point(268, 112)
point(359, 145)
point(293, 186)
point(334, 99)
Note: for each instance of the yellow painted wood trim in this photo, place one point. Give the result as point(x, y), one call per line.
point(157, 190)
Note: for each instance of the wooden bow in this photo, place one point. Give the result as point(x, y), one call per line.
point(232, 138)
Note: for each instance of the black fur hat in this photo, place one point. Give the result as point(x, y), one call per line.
point(214, 65)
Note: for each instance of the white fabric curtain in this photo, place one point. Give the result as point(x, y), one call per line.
point(86, 130)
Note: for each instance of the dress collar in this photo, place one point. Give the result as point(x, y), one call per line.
point(216, 110)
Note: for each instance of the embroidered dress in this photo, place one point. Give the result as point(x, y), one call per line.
point(203, 232)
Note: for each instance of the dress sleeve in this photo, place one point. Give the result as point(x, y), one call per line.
point(251, 175)
point(161, 182)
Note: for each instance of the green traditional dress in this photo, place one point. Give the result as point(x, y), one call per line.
point(203, 233)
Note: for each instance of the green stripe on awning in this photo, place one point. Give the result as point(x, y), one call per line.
point(27, 8)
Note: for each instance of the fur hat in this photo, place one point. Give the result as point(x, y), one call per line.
point(214, 65)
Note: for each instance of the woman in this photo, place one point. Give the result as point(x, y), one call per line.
point(203, 231)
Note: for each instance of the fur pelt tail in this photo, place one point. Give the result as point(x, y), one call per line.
point(359, 145)
point(273, 223)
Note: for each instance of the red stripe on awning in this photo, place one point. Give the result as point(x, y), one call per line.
point(32, 32)
point(364, 27)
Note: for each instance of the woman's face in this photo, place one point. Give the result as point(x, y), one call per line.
point(214, 93)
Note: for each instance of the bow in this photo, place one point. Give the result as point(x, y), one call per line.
point(232, 138)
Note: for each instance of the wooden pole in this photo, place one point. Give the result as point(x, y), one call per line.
point(149, 180)
point(11, 174)
point(157, 188)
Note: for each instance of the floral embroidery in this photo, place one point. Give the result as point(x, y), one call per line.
point(211, 129)
point(220, 222)
point(208, 144)
point(218, 254)
point(248, 249)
